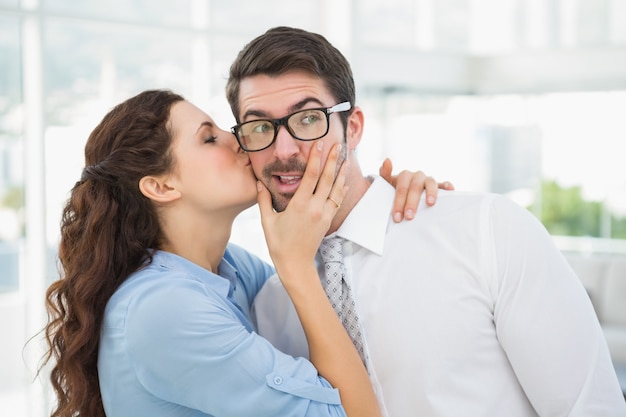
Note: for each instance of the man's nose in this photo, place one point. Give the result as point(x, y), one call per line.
point(285, 145)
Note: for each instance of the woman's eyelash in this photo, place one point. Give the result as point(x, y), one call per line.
point(210, 139)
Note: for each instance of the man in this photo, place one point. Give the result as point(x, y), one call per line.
point(467, 310)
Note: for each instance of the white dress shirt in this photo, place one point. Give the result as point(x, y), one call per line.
point(467, 310)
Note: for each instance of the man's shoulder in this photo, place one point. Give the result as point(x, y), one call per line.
point(459, 201)
point(463, 210)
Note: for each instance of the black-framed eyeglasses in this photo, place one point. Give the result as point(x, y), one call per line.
point(308, 124)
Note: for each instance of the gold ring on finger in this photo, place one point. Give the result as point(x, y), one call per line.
point(336, 203)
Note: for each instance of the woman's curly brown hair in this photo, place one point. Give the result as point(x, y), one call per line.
point(107, 231)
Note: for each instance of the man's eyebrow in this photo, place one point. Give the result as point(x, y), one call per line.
point(294, 108)
point(205, 123)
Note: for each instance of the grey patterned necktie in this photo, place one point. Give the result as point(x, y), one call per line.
point(338, 291)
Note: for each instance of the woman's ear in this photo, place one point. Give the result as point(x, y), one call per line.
point(157, 189)
point(354, 128)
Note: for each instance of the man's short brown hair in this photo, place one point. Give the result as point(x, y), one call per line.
point(284, 49)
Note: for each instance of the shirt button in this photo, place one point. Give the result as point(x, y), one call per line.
point(278, 380)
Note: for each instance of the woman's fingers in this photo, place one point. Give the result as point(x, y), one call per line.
point(409, 188)
point(338, 190)
point(331, 183)
point(264, 200)
point(446, 185)
point(385, 171)
point(319, 182)
point(294, 234)
point(312, 173)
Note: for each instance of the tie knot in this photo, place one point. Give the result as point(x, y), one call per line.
point(331, 249)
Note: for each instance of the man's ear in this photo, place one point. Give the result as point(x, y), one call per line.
point(354, 128)
point(158, 189)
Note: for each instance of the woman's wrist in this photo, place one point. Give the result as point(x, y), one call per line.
point(297, 277)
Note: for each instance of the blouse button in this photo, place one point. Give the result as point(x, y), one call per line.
point(278, 380)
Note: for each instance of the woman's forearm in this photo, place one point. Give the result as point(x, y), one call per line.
point(330, 348)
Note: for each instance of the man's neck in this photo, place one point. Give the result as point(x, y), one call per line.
point(358, 187)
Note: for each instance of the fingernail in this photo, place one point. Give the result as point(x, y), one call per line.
point(397, 217)
point(338, 149)
point(430, 199)
point(259, 187)
point(409, 214)
point(320, 145)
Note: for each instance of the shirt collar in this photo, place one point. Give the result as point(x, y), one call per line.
point(223, 283)
point(366, 225)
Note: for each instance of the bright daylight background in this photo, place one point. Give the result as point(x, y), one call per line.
point(521, 97)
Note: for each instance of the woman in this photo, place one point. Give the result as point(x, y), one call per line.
point(151, 316)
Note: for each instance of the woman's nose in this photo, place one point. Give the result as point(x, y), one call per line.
point(232, 141)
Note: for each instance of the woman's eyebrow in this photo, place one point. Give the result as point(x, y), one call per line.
point(205, 123)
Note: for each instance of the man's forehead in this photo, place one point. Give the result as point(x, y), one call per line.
point(279, 94)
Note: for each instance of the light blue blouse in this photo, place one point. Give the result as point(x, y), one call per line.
point(178, 340)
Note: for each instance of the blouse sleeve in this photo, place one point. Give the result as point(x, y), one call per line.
point(188, 348)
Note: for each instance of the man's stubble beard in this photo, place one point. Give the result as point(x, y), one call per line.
point(280, 200)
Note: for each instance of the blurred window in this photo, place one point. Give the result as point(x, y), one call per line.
point(160, 12)
point(253, 17)
point(558, 154)
point(11, 155)
point(108, 64)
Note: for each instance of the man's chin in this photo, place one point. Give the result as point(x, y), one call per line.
point(280, 202)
